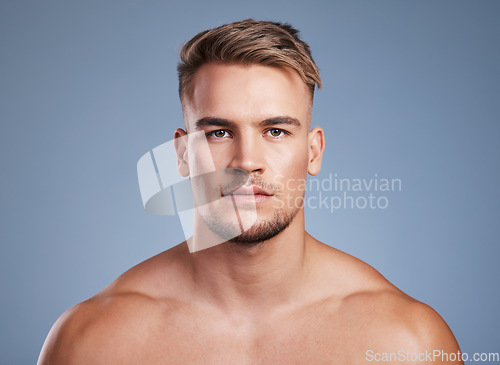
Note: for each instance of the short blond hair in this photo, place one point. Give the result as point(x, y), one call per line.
point(248, 42)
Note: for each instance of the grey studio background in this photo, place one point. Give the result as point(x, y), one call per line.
point(411, 91)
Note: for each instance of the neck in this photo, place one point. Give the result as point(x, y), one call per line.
point(264, 276)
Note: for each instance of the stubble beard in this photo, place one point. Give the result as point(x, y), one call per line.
point(260, 232)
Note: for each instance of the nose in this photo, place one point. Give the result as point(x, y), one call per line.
point(248, 154)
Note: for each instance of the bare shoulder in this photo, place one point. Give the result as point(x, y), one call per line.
point(382, 318)
point(393, 321)
point(78, 335)
point(118, 321)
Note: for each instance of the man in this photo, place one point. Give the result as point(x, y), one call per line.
point(269, 293)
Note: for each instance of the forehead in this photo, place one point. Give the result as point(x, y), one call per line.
point(249, 93)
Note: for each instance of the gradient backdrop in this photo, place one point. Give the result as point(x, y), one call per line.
point(411, 91)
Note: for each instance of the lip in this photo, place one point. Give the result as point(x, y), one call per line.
point(248, 198)
point(249, 195)
point(251, 190)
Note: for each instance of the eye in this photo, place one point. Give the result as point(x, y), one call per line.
point(276, 132)
point(219, 133)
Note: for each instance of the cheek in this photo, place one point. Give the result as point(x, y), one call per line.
point(220, 157)
point(201, 162)
point(199, 156)
point(290, 167)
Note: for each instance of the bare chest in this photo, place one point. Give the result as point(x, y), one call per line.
point(208, 341)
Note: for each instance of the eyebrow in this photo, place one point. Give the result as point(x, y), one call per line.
point(210, 121)
point(280, 120)
point(219, 122)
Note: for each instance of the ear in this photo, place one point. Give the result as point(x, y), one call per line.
point(180, 144)
point(316, 140)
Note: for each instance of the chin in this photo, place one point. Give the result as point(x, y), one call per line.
point(265, 230)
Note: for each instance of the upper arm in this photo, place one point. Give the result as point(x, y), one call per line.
point(421, 336)
point(401, 330)
point(107, 328)
point(434, 335)
point(64, 341)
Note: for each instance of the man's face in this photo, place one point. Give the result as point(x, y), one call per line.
point(255, 119)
